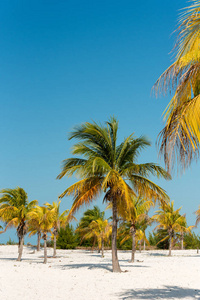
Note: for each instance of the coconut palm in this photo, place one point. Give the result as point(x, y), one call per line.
point(105, 166)
point(170, 220)
point(179, 140)
point(60, 220)
point(136, 216)
point(46, 220)
point(100, 229)
point(34, 227)
point(89, 216)
point(14, 208)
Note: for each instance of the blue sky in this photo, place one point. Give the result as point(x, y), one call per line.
point(66, 62)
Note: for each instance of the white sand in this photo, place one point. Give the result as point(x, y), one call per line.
point(78, 274)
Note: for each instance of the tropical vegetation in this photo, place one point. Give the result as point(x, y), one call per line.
point(180, 138)
point(105, 166)
point(171, 221)
point(14, 209)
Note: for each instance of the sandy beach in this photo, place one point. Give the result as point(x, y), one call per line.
point(80, 274)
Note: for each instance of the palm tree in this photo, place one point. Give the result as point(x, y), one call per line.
point(89, 216)
point(34, 227)
point(60, 220)
point(109, 168)
point(170, 220)
point(46, 220)
point(135, 216)
point(100, 229)
point(14, 208)
point(180, 138)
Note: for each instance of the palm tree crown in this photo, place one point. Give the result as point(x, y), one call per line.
point(105, 166)
point(14, 209)
point(179, 140)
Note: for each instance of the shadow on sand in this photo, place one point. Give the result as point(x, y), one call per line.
point(105, 266)
point(168, 292)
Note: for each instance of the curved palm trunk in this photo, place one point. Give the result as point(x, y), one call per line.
point(45, 247)
point(115, 262)
point(38, 240)
point(133, 231)
point(20, 248)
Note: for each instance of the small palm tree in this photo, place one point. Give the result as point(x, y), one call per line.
point(89, 216)
point(100, 229)
point(46, 218)
point(60, 220)
point(14, 208)
point(107, 167)
point(135, 216)
point(170, 220)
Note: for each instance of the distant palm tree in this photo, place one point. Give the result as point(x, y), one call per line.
point(89, 216)
point(60, 220)
point(14, 208)
point(180, 138)
point(46, 218)
point(170, 220)
point(135, 217)
point(100, 229)
point(109, 168)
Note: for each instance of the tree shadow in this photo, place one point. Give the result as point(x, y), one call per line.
point(105, 266)
point(167, 292)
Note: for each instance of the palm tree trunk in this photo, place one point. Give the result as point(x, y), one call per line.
point(102, 247)
point(38, 240)
point(54, 245)
point(133, 231)
point(140, 246)
point(144, 246)
point(45, 247)
point(115, 262)
point(20, 248)
point(170, 244)
point(182, 241)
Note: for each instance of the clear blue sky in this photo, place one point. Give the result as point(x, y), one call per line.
point(67, 62)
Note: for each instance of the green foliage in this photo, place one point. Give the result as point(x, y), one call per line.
point(11, 242)
point(127, 245)
point(155, 239)
point(191, 241)
point(66, 238)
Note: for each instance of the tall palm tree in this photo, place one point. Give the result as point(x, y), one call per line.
point(60, 220)
point(170, 220)
point(14, 208)
point(46, 220)
point(105, 166)
point(135, 217)
point(180, 138)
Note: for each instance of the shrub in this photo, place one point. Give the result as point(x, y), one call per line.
point(66, 238)
point(191, 241)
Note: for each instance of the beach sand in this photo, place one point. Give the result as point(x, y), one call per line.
point(81, 274)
